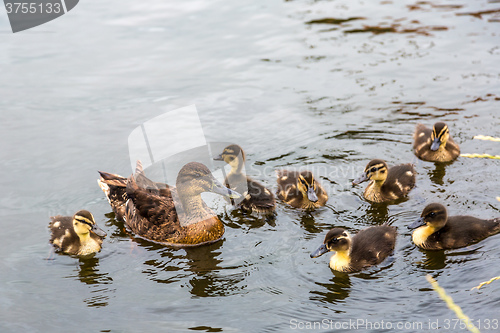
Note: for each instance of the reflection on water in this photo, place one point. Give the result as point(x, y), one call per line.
point(334, 292)
point(437, 174)
point(98, 283)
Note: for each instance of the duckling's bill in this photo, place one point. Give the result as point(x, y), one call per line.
point(435, 144)
point(362, 178)
point(319, 251)
point(311, 194)
point(417, 224)
point(98, 231)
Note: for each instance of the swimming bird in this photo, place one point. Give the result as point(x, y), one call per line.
point(255, 196)
point(435, 230)
point(387, 184)
point(77, 234)
point(368, 247)
point(435, 145)
point(174, 216)
point(299, 189)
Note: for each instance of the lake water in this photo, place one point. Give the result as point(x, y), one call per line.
point(327, 85)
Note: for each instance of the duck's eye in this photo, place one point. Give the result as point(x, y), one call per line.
point(383, 171)
point(372, 170)
point(432, 214)
point(303, 182)
point(231, 158)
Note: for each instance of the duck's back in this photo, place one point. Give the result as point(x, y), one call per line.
point(287, 187)
point(400, 180)
point(63, 236)
point(460, 231)
point(151, 215)
point(371, 246)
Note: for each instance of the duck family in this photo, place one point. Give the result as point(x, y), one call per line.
point(178, 216)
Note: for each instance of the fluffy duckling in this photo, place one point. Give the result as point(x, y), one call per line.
point(77, 234)
point(435, 145)
point(256, 196)
point(300, 189)
point(387, 184)
point(367, 248)
point(435, 230)
point(174, 216)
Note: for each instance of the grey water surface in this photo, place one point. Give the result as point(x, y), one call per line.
point(324, 85)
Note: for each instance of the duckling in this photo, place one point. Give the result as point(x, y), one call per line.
point(368, 247)
point(435, 230)
point(174, 216)
point(435, 145)
point(300, 189)
point(387, 184)
point(78, 235)
point(256, 196)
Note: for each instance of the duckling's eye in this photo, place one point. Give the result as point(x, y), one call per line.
point(303, 182)
point(230, 158)
point(373, 169)
point(432, 214)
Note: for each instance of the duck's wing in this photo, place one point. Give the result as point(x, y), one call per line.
point(372, 245)
point(421, 138)
point(287, 185)
point(151, 215)
point(258, 197)
point(401, 179)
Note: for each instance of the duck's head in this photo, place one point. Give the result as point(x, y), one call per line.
point(434, 215)
point(307, 185)
point(375, 170)
point(195, 178)
point(337, 239)
point(232, 155)
point(83, 223)
point(439, 136)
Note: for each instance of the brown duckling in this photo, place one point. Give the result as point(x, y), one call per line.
point(387, 184)
point(255, 196)
point(299, 189)
point(175, 216)
point(435, 230)
point(77, 234)
point(435, 145)
point(367, 248)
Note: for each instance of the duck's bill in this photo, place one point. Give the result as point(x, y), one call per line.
point(418, 223)
point(435, 144)
point(319, 251)
point(218, 158)
point(98, 231)
point(311, 195)
point(218, 188)
point(360, 179)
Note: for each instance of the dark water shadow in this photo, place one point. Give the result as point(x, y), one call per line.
point(435, 260)
point(437, 174)
point(237, 219)
point(333, 292)
point(98, 283)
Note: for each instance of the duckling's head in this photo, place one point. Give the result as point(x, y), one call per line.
point(375, 170)
point(83, 223)
point(439, 136)
point(195, 178)
point(307, 185)
point(434, 215)
point(232, 155)
point(337, 239)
